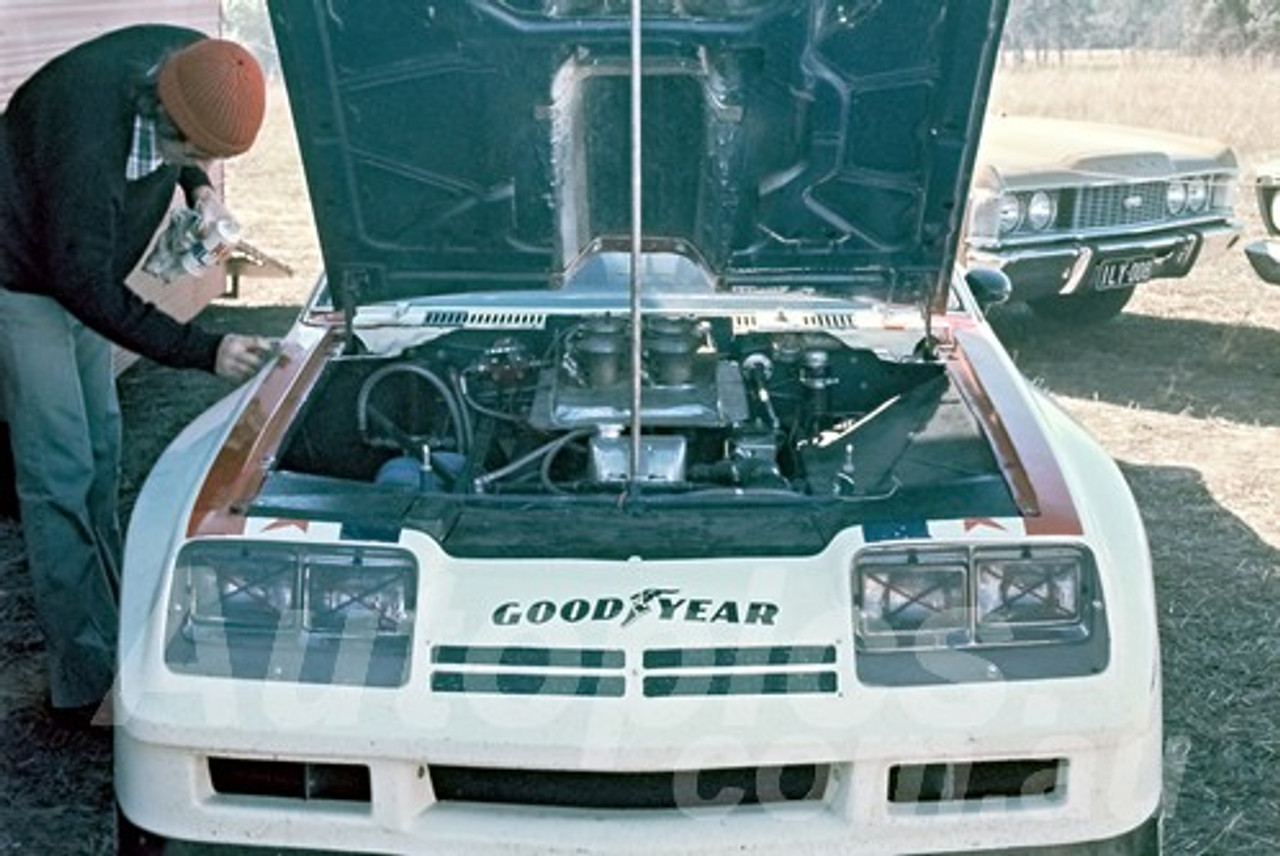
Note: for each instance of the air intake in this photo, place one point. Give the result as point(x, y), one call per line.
point(933, 783)
point(290, 780)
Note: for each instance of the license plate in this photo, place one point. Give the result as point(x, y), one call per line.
point(1123, 273)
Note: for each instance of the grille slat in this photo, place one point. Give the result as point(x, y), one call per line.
point(741, 683)
point(514, 683)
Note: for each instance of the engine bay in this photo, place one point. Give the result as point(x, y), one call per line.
point(547, 412)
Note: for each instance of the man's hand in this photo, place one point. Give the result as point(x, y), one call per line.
point(210, 208)
point(212, 213)
point(240, 357)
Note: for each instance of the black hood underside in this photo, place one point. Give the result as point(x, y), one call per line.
point(486, 144)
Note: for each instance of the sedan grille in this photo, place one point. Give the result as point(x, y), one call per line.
point(1120, 204)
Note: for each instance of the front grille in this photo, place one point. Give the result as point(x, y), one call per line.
point(733, 786)
point(1119, 205)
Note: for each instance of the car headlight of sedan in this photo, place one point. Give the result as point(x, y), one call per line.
point(1042, 210)
point(1175, 199)
point(1197, 194)
point(1009, 212)
point(1026, 212)
point(938, 597)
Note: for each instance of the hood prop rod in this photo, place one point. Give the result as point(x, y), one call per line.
point(637, 236)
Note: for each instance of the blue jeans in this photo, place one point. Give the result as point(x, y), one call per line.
point(58, 390)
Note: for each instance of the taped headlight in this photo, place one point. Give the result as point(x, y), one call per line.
point(370, 594)
point(1029, 588)
point(934, 598)
point(272, 588)
point(915, 597)
point(245, 586)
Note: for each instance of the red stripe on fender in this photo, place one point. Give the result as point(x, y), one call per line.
point(241, 466)
point(1038, 486)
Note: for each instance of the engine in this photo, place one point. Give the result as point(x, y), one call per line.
point(549, 411)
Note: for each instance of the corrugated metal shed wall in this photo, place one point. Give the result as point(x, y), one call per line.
point(32, 31)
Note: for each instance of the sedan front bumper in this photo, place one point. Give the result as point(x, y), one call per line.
point(1086, 264)
point(1264, 256)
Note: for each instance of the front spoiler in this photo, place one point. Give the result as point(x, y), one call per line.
point(1144, 840)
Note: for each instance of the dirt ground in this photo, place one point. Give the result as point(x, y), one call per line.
point(1183, 389)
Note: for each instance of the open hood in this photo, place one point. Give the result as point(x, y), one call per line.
point(475, 145)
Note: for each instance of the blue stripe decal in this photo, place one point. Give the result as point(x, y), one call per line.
point(899, 530)
point(585, 658)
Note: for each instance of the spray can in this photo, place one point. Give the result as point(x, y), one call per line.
point(207, 249)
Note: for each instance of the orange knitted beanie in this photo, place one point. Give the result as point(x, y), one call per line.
point(214, 91)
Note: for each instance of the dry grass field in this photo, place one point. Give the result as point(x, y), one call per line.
point(1183, 389)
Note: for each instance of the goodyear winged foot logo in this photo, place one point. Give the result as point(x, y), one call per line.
point(660, 604)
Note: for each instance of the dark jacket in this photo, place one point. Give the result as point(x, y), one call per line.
point(71, 226)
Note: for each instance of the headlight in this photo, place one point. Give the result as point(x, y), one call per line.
point(917, 595)
point(274, 588)
point(1028, 589)
point(370, 594)
point(929, 597)
point(1176, 197)
point(1010, 212)
point(247, 586)
point(1197, 194)
point(1273, 211)
point(1041, 210)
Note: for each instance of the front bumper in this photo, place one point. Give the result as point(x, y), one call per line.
point(1075, 266)
point(1104, 791)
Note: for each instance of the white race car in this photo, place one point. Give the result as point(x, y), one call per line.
point(641, 492)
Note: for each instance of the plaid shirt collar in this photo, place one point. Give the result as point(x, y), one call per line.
point(144, 154)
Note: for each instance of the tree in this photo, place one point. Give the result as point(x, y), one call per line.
point(1222, 26)
point(1263, 29)
point(1045, 27)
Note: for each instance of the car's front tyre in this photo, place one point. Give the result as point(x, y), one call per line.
point(1079, 310)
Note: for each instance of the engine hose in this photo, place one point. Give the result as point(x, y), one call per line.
point(460, 390)
point(366, 389)
point(553, 447)
point(468, 400)
point(549, 459)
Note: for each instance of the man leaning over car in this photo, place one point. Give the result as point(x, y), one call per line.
point(92, 147)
